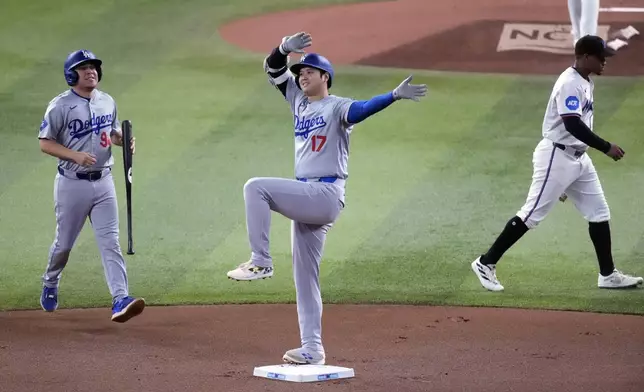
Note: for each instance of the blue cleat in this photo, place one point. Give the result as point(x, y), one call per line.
point(127, 308)
point(49, 298)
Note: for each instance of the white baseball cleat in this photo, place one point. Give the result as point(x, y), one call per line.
point(618, 280)
point(628, 32)
point(486, 275)
point(304, 356)
point(250, 271)
point(616, 44)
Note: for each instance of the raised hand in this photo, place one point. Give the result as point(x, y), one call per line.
point(410, 91)
point(296, 43)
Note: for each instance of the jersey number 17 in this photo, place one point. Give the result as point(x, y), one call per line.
point(317, 141)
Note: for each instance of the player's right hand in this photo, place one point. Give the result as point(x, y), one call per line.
point(84, 159)
point(615, 152)
point(296, 43)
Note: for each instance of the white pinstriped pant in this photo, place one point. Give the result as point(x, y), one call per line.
point(556, 172)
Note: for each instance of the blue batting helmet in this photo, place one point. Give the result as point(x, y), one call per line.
point(77, 58)
point(313, 60)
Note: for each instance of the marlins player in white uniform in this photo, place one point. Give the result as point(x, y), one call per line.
point(79, 128)
point(315, 198)
point(563, 169)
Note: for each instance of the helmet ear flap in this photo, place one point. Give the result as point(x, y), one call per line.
point(71, 77)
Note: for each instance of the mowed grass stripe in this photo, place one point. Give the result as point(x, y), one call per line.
point(441, 268)
point(30, 200)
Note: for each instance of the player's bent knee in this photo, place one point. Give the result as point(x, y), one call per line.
point(251, 186)
point(255, 186)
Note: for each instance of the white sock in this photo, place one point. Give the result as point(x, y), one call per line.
point(589, 17)
point(574, 8)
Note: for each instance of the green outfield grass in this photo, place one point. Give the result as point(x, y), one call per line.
point(431, 183)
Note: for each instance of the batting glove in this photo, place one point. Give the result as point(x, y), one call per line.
point(410, 91)
point(295, 43)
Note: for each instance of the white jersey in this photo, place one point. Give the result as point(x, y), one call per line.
point(571, 95)
point(321, 134)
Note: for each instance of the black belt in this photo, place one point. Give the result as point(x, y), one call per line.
point(89, 176)
point(577, 153)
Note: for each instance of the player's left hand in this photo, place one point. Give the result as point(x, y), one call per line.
point(410, 91)
point(296, 43)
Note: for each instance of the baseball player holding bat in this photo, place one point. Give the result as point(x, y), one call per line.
point(563, 169)
point(314, 199)
point(79, 128)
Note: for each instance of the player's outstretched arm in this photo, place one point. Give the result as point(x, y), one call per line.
point(275, 65)
point(361, 110)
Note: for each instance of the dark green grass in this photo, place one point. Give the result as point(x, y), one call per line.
point(431, 183)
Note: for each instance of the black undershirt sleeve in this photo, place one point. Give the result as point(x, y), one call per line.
point(276, 67)
point(578, 129)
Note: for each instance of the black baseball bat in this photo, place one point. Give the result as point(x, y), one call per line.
point(127, 169)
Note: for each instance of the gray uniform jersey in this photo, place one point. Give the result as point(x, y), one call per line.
point(321, 134)
point(82, 124)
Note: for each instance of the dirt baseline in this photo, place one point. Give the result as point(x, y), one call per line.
point(391, 348)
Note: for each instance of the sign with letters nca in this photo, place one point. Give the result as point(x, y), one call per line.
point(550, 38)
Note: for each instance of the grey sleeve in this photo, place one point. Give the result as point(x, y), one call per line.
point(293, 93)
point(116, 123)
point(52, 122)
point(341, 109)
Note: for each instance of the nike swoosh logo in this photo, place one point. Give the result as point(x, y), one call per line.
point(73, 107)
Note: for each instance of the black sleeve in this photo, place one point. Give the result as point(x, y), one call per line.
point(578, 129)
point(276, 67)
point(277, 59)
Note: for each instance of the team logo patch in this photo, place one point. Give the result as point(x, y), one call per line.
point(43, 124)
point(572, 102)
